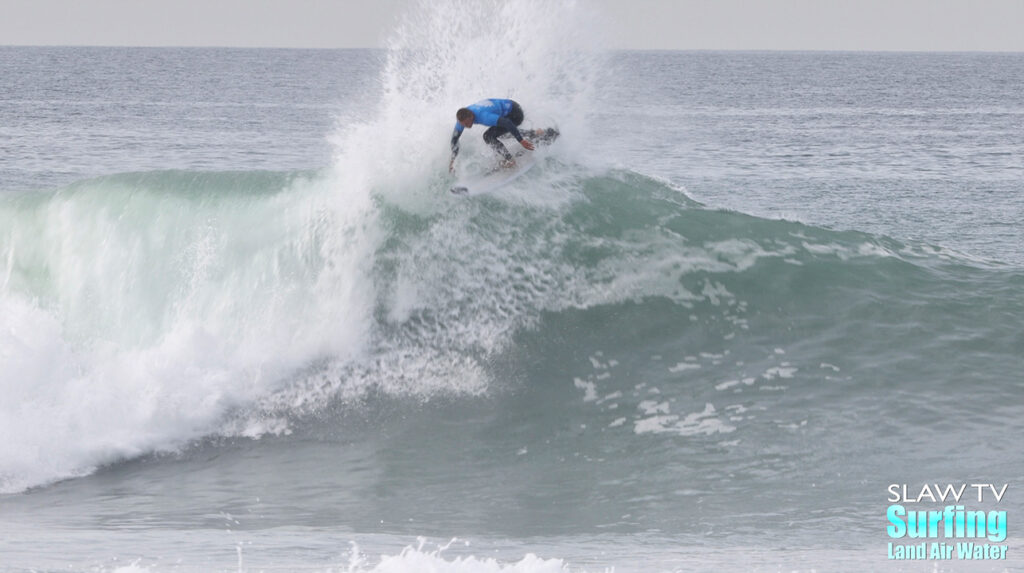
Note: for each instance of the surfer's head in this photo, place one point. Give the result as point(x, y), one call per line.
point(465, 117)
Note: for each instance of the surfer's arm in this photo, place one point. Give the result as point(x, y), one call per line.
point(456, 134)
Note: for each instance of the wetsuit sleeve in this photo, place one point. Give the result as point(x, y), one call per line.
point(456, 134)
point(506, 123)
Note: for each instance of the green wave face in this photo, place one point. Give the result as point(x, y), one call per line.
point(202, 304)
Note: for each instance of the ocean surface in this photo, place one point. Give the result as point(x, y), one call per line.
point(244, 326)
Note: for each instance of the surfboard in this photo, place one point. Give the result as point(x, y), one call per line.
point(498, 177)
point(495, 178)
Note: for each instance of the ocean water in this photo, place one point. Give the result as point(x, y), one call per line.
point(245, 327)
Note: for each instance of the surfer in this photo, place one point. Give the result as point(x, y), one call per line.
point(502, 115)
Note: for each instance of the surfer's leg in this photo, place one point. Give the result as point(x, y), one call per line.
point(515, 115)
point(491, 138)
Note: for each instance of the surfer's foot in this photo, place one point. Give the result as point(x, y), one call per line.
point(545, 135)
point(508, 164)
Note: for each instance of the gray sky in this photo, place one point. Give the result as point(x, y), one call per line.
point(953, 25)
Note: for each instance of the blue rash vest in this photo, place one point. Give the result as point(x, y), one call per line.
point(489, 112)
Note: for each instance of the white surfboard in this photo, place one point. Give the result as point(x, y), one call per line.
point(496, 178)
point(475, 184)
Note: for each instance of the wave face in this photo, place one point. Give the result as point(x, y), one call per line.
point(143, 311)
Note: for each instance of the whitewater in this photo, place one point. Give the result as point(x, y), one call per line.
point(244, 326)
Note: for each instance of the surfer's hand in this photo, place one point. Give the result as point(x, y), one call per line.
point(526, 143)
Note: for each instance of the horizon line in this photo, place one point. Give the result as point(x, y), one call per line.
point(621, 49)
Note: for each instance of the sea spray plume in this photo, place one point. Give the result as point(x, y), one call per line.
point(449, 53)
